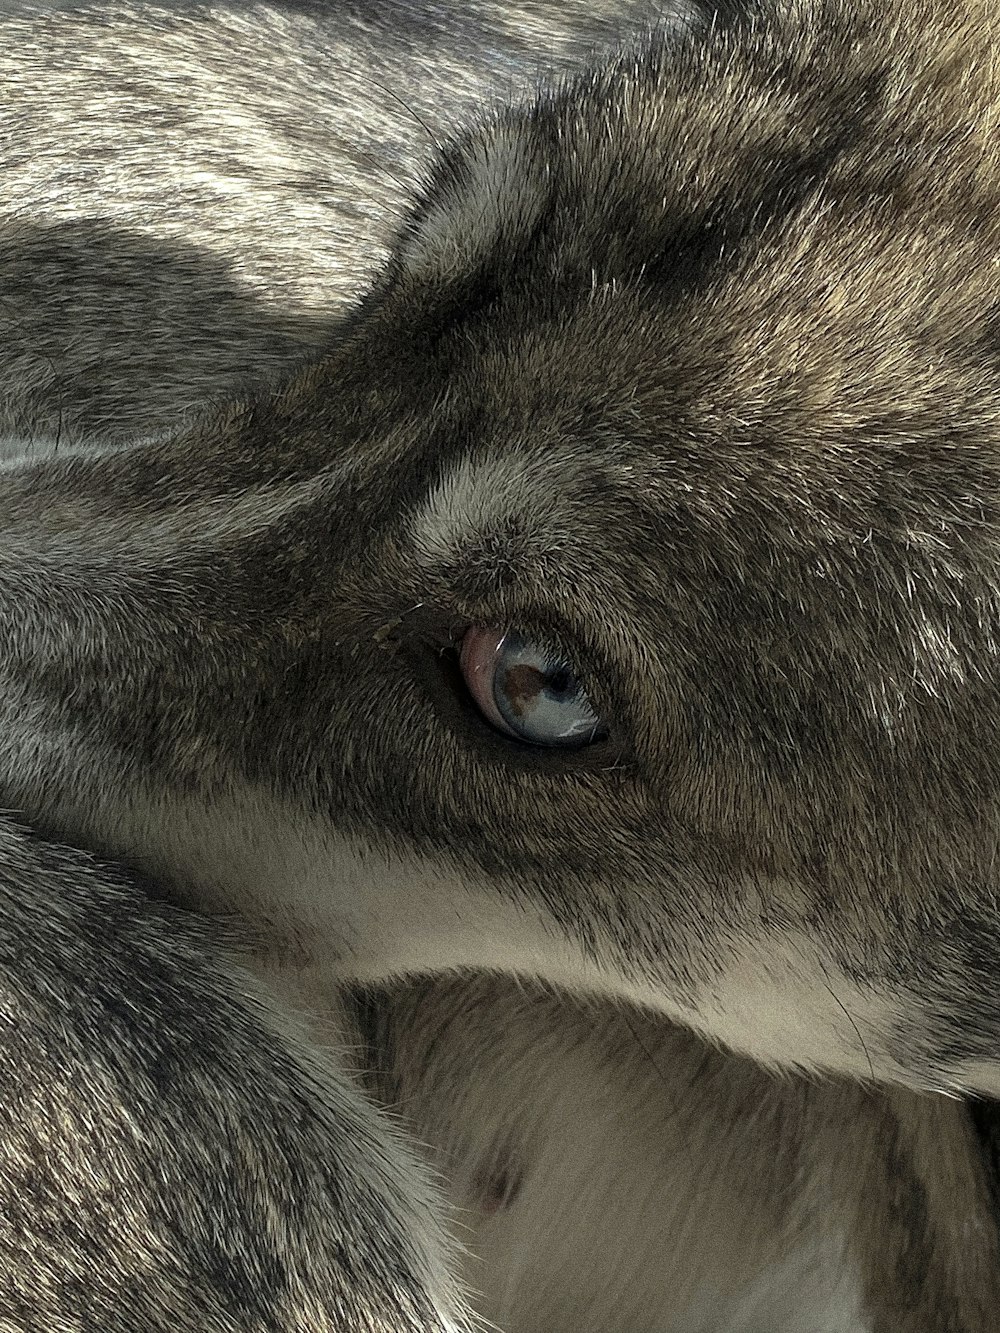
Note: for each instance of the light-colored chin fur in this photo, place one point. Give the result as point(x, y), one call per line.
point(597, 1175)
point(342, 911)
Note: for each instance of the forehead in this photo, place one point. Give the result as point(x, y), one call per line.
point(840, 354)
point(692, 350)
point(789, 210)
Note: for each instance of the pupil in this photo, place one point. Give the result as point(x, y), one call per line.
point(560, 683)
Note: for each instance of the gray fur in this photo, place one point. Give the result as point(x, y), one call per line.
point(193, 194)
point(173, 1156)
point(685, 369)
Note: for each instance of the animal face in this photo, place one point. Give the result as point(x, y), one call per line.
point(617, 602)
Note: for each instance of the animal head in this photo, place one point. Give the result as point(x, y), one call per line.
point(618, 600)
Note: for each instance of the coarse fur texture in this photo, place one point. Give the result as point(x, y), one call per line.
point(327, 1006)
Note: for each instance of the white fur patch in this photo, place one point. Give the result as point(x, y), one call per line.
point(501, 189)
point(482, 495)
point(813, 1290)
point(782, 1001)
point(17, 448)
point(643, 1202)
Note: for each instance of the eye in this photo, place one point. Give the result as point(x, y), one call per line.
point(526, 691)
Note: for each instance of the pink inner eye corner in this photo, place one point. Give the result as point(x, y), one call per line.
point(478, 657)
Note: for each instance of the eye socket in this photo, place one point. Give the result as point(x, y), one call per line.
point(526, 691)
